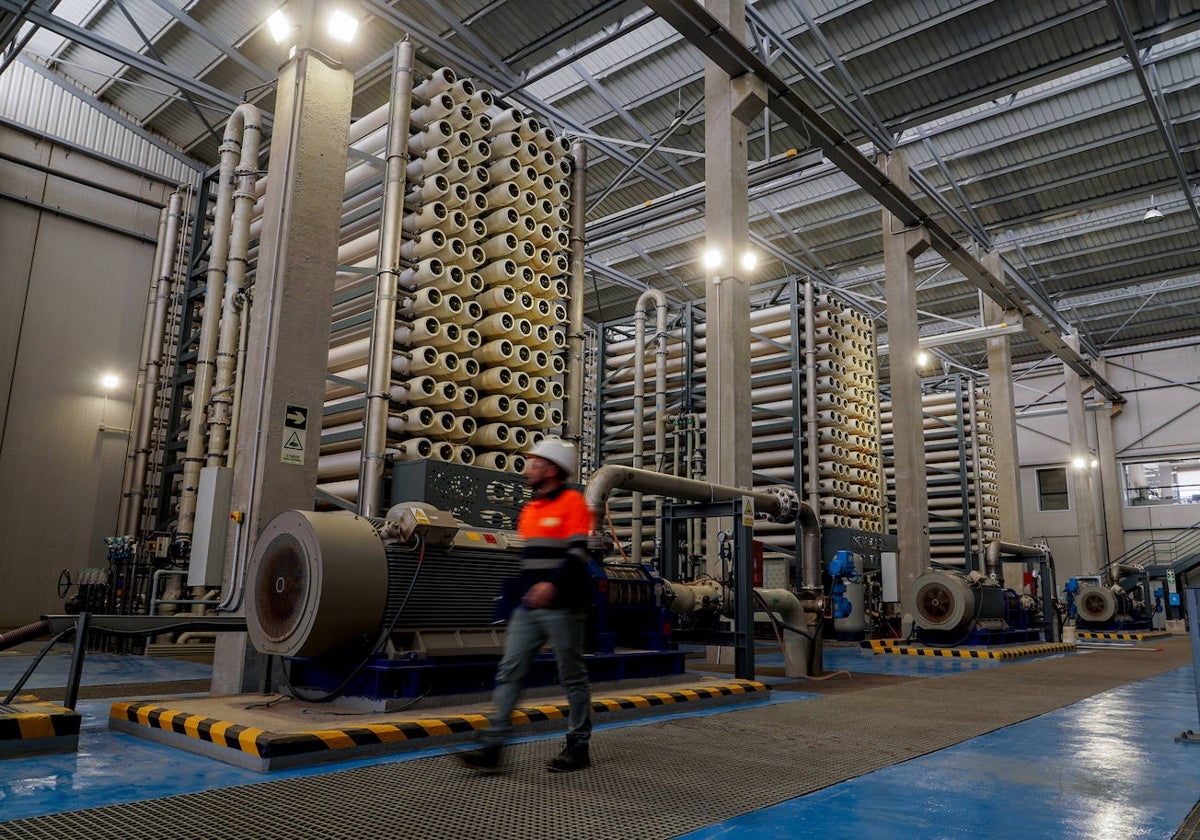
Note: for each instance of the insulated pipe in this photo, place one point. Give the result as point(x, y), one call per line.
point(164, 270)
point(573, 425)
point(242, 125)
point(25, 633)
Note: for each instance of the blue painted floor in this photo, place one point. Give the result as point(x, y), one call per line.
point(1106, 767)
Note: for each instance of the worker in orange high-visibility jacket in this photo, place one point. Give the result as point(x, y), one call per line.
point(556, 590)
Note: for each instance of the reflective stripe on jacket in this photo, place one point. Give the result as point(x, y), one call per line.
point(555, 528)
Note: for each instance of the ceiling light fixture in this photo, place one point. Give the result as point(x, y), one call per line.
point(279, 26)
point(1153, 214)
point(342, 26)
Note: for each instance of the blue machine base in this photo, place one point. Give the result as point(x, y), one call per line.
point(979, 638)
point(401, 679)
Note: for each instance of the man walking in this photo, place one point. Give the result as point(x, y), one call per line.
point(556, 591)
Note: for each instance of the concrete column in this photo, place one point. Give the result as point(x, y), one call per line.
point(727, 294)
point(901, 246)
point(284, 382)
point(1081, 476)
point(1110, 477)
point(1004, 417)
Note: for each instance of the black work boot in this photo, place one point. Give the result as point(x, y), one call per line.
point(484, 759)
point(574, 756)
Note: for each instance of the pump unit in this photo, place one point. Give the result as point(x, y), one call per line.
point(951, 608)
point(412, 604)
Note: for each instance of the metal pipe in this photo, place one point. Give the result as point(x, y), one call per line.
point(975, 426)
point(780, 504)
point(810, 386)
point(708, 595)
point(997, 548)
point(573, 427)
point(235, 410)
point(214, 294)
point(145, 418)
point(639, 394)
point(128, 523)
point(379, 376)
point(226, 383)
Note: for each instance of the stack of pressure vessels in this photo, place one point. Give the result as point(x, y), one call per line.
point(481, 306)
point(960, 471)
point(846, 405)
point(588, 455)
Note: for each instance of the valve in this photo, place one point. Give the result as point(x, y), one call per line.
point(842, 570)
point(1071, 589)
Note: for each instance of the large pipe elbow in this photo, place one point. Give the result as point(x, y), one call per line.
point(791, 610)
point(612, 477)
point(998, 548)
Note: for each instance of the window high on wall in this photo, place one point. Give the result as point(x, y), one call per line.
point(1174, 481)
point(1052, 489)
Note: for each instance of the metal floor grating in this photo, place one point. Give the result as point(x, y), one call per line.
point(1190, 830)
point(658, 780)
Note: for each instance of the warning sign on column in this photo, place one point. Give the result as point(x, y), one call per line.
point(295, 424)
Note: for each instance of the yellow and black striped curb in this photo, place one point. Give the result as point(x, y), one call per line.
point(30, 718)
point(1124, 637)
point(269, 745)
point(974, 653)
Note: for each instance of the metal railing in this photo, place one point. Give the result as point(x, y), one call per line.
point(1161, 552)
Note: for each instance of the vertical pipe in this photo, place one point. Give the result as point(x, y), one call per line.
point(145, 417)
point(660, 402)
point(127, 523)
point(976, 482)
point(214, 294)
point(639, 397)
point(810, 387)
point(573, 416)
point(660, 383)
point(379, 368)
point(235, 411)
point(247, 117)
point(964, 480)
point(800, 483)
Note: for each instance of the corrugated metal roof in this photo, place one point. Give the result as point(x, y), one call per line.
point(1024, 118)
point(28, 99)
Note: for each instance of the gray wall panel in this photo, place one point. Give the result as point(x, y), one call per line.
point(18, 231)
point(1161, 420)
point(80, 316)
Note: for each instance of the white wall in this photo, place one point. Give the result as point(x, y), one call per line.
point(72, 302)
point(1160, 419)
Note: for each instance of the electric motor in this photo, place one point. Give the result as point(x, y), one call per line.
point(320, 581)
point(1102, 605)
point(953, 602)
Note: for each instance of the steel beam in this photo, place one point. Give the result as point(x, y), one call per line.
point(1162, 120)
point(115, 116)
point(192, 25)
point(92, 41)
point(725, 49)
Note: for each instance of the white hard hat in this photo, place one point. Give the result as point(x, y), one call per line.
point(559, 452)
